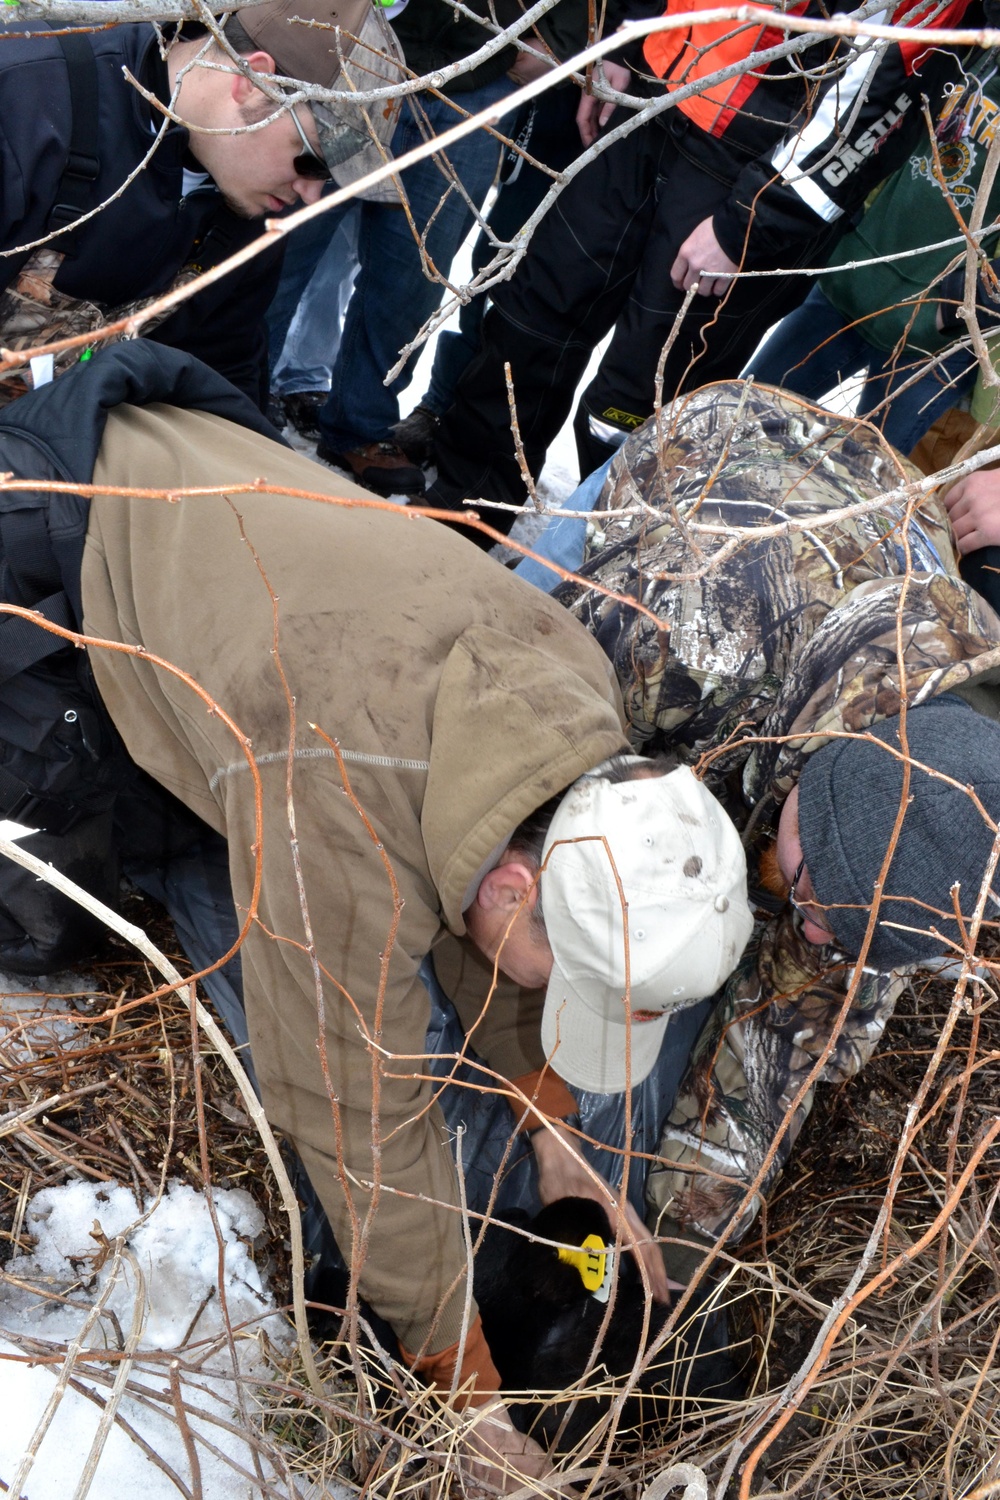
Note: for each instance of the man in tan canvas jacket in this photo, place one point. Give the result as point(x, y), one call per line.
point(847, 602)
point(410, 705)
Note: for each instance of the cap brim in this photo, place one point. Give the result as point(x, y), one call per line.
point(588, 1050)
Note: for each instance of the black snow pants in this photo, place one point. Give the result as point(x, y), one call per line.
point(601, 259)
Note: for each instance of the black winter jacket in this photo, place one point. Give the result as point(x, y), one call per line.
point(136, 245)
point(433, 34)
point(808, 137)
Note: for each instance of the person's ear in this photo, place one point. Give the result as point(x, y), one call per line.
point(241, 87)
point(509, 885)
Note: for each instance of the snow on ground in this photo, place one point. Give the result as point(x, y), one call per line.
point(150, 1279)
point(32, 1022)
point(162, 1293)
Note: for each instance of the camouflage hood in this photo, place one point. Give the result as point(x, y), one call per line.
point(804, 616)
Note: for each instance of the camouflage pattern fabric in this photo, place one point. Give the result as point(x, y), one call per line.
point(34, 313)
point(809, 624)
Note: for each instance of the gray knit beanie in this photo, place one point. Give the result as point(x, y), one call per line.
point(849, 795)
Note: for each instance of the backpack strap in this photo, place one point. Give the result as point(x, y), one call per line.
point(75, 193)
point(31, 565)
point(23, 644)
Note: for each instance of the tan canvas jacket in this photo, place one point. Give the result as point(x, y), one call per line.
point(460, 699)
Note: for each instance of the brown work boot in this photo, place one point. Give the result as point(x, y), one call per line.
point(382, 467)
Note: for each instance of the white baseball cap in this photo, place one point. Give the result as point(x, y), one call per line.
point(683, 876)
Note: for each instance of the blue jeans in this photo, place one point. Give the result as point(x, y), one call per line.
point(393, 297)
point(564, 538)
point(304, 328)
point(813, 350)
point(305, 250)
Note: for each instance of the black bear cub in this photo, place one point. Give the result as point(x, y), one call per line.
point(543, 1306)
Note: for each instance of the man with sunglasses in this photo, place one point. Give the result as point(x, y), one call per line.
point(113, 194)
point(832, 676)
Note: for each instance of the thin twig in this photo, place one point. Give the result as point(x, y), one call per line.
point(522, 462)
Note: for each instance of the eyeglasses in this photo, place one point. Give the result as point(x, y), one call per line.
point(806, 908)
point(307, 164)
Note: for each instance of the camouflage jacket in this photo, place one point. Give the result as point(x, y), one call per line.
point(752, 650)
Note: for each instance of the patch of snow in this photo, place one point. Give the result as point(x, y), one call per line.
point(169, 1282)
point(175, 1248)
point(33, 1014)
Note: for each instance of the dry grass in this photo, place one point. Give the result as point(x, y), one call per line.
point(127, 1108)
point(904, 1403)
point(908, 1404)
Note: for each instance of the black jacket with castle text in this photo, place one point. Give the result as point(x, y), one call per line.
point(812, 134)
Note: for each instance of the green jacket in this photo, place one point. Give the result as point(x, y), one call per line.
point(894, 302)
point(758, 657)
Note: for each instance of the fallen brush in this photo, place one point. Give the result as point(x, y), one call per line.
point(868, 1298)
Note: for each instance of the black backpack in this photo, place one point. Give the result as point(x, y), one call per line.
point(61, 758)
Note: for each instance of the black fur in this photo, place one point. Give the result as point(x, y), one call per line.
point(542, 1324)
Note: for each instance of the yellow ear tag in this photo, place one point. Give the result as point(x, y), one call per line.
point(594, 1261)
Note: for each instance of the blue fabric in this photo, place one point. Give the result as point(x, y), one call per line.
point(195, 889)
point(492, 1164)
point(393, 298)
point(564, 538)
point(814, 349)
point(304, 360)
point(305, 247)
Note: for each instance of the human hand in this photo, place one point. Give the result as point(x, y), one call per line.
point(499, 1457)
point(594, 113)
point(701, 258)
point(973, 506)
point(561, 1174)
point(531, 64)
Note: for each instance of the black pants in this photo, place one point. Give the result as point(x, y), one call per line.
point(42, 931)
point(600, 259)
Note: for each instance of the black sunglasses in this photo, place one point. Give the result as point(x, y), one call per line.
point(307, 164)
